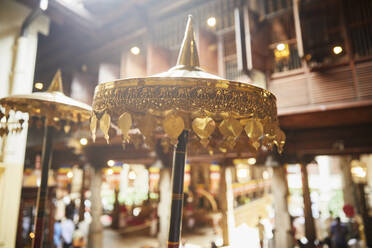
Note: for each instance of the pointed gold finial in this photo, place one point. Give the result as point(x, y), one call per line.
point(56, 84)
point(188, 56)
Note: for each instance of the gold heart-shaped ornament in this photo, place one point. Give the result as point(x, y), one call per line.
point(230, 127)
point(203, 127)
point(254, 129)
point(173, 126)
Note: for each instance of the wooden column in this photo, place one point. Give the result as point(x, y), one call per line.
point(221, 56)
point(309, 220)
point(116, 212)
point(82, 195)
point(283, 231)
point(133, 65)
point(208, 51)
point(164, 206)
point(95, 228)
point(227, 205)
point(364, 213)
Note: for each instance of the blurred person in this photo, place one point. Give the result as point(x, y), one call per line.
point(338, 234)
point(57, 235)
point(261, 231)
point(78, 237)
point(67, 231)
point(213, 244)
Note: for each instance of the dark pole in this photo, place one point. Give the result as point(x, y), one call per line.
point(42, 195)
point(177, 191)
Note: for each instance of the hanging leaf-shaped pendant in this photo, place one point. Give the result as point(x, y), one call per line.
point(203, 127)
point(230, 127)
point(104, 125)
point(125, 123)
point(93, 127)
point(173, 126)
point(254, 129)
point(279, 139)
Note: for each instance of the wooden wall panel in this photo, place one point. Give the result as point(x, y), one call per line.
point(332, 86)
point(364, 75)
point(290, 91)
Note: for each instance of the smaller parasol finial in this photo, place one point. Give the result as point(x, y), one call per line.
point(56, 84)
point(188, 55)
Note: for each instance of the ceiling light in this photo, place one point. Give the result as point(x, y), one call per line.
point(337, 49)
point(83, 141)
point(111, 163)
point(135, 50)
point(211, 21)
point(43, 5)
point(39, 86)
point(280, 47)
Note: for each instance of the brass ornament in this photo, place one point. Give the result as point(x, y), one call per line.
point(186, 97)
point(279, 140)
point(254, 129)
point(230, 127)
point(52, 105)
point(173, 126)
point(104, 125)
point(125, 123)
point(147, 125)
point(203, 127)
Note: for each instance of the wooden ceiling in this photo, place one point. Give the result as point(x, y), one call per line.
point(98, 32)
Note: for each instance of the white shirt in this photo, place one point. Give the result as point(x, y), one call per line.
point(68, 228)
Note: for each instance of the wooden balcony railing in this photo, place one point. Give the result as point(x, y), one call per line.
point(301, 89)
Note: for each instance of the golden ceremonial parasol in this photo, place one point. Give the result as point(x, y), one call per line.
point(187, 99)
point(56, 110)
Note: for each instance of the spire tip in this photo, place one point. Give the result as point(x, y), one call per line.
point(56, 84)
point(188, 55)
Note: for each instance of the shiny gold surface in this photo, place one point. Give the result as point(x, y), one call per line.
point(189, 53)
point(186, 97)
point(53, 105)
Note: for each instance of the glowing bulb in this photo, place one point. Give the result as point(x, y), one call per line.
point(111, 163)
point(280, 47)
point(32, 235)
point(135, 50)
point(132, 175)
point(39, 86)
point(110, 171)
point(69, 174)
point(251, 161)
point(83, 141)
point(359, 172)
point(337, 49)
point(43, 5)
point(242, 173)
point(211, 21)
point(136, 211)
